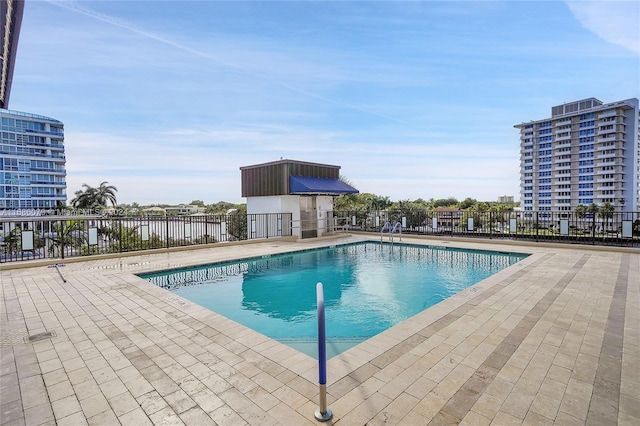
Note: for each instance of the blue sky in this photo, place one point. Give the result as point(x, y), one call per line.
point(166, 100)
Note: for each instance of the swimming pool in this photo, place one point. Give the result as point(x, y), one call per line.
point(368, 288)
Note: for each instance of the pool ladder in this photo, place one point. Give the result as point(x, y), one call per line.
point(391, 230)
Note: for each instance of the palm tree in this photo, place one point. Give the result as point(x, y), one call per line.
point(84, 199)
point(106, 194)
point(606, 211)
point(580, 212)
point(92, 197)
point(593, 209)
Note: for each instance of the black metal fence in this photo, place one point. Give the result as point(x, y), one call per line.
point(55, 237)
point(613, 229)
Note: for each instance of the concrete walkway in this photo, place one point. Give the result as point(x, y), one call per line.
point(554, 339)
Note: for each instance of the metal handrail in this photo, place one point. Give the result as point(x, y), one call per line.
point(398, 226)
point(391, 230)
point(386, 225)
point(323, 413)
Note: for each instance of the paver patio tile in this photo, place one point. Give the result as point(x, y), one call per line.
point(179, 401)
point(366, 412)
point(487, 405)
point(56, 376)
point(166, 417)
point(28, 370)
point(9, 389)
point(533, 418)
point(568, 420)
point(216, 383)
point(152, 402)
point(66, 406)
point(505, 419)
point(221, 416)
point(94, 404)
point(104, 418)
point(254, 415)
point(46, 355)
point(11, 410)
point(429, 406)
point(33, 392)
point(76, 419)
point(208, 400)
point(471, 419)
point(39, 414)
point(269, 383)
point(60, 390)
point(136, 417)
point(123, 403)
point(575, 404)
point(533, 334)
point(104, 375)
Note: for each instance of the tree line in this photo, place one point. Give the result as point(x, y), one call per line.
point(104, 195)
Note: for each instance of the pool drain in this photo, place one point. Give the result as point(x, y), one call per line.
point(40, 336)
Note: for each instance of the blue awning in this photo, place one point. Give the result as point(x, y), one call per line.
point(315, 185)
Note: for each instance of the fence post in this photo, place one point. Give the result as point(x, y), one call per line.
point(62, 239)
point(166, 226)
point(490, 225)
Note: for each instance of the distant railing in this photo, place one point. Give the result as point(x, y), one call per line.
point(604, 228)
point(56, 237)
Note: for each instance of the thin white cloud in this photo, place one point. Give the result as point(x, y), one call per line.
point(120, 23)
point(617, 22)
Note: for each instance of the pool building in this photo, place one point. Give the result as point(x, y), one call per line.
point(306, 190)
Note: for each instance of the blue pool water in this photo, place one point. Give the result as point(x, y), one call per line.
point(368, 288)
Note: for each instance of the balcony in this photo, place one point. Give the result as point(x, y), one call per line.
point(609, 172)
point(605, 196)
point(612, 155)
point(606, 138)
point(44, 132)
point(605, 147)
point(47, 170)
point(563, 144)
point(48, 183)
point(609, 113)
point(602, 180)
point(566, 169)
point(609, 163)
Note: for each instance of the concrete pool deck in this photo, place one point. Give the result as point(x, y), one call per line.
point(553, 339)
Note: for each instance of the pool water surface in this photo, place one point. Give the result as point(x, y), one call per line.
point(368, 288)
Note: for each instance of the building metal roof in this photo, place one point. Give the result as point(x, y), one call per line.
point(314, 185)
point(269, 179)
